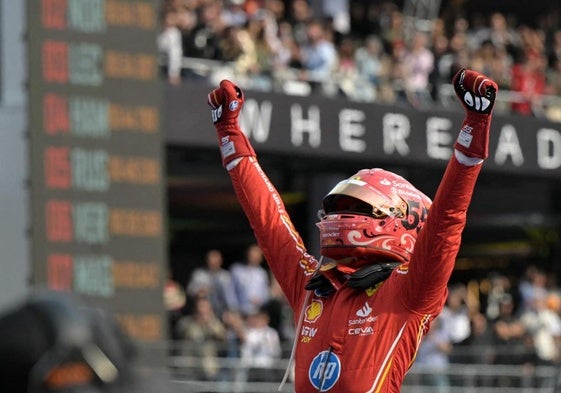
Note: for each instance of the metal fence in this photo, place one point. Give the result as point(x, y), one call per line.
point(188, 374)
point(476, 378)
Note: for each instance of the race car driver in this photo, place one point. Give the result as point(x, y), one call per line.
point(387, 251)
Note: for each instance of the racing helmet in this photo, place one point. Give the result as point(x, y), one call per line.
point(375, 215)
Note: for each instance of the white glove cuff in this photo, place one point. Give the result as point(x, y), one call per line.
point(465, 160)
point(234, 163)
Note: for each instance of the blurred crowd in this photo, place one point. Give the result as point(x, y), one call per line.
point(239, 312)
point(365, 51)
point(499, 320)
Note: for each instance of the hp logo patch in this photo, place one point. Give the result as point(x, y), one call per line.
point(233, 105)
point(324, 371)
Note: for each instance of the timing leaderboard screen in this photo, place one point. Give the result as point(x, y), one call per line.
point(96, 150)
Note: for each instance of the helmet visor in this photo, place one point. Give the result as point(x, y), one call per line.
point(357, 196)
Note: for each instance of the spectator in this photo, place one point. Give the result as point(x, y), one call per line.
point(499, 285)
point(346, 73)
point(287, 63)
point(508, 335)
point(318, 56)
point(300, 15)
point(230, 46)
point(251, 281)
point(442, 60)
point(372, 64)
point(554, 49)
point(433, 360)
point(532, 285)
point(417, 65)
point(187, 23)
point(365, 18)
point(338, 12)
point(203, 334)
point(500, 68)
point(287, 54)
point(258, 52)
point(498, 33)
point(281, 317)
point(482, 58)
point(528, 80)
point(170, 48)
point(205, 40)
point(459, 52)
point(480, 342)
point(214, 282)
point(553, 112)
point(260, 348)
point(455, 316)
point(174, 302)
point(276, 10)
point(544, 327)
point(235, 330)
point(234, 13)
point(393, 28)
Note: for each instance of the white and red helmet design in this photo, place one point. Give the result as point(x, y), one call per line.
point(374, 215)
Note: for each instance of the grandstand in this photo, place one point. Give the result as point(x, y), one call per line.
point(144, 155)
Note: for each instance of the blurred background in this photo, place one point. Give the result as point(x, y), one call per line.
point(112, 188)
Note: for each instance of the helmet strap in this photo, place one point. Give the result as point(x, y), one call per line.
point(320, 284)
point(324, 283)
point(371, 275)
point(326, 280)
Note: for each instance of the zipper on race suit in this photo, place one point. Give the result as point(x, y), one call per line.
point(298, 329)
point(324, 368)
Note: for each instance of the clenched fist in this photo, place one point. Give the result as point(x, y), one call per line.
point(226, 102)
point(477, 94)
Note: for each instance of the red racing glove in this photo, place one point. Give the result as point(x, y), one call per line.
point(226, 103)
point(477, 94)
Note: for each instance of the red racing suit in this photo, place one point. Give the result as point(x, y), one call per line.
point(359, 340)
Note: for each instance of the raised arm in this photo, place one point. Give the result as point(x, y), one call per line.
point(439, 241)
point(281, 244)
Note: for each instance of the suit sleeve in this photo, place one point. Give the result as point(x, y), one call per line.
point(274, 231)
point(438, 243)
